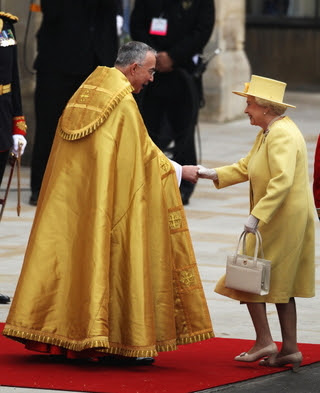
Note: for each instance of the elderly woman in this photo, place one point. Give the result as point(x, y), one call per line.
point(281, 207)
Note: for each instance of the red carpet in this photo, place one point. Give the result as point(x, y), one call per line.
point(191, 368)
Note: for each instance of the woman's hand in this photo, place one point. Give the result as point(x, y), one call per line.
point(252, 224)
point(205, 173)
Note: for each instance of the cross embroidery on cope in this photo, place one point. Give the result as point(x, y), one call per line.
point(175, 220)
point(187, 278)
point(164, 165)
point(84, 96)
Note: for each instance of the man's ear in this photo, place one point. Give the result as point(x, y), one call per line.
point(133, 67)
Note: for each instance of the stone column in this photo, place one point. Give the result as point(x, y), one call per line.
point(230, 69)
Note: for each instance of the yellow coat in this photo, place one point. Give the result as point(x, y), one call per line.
point(109, 263)
point(280, 197)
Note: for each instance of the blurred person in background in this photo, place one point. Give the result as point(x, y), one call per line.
point(74, 38)
point(179, 31)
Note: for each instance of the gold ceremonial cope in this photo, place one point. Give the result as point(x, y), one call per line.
point(109, 263)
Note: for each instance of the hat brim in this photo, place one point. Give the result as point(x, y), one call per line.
point(240, 93)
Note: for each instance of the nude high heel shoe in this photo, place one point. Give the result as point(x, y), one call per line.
point(252, 357)
point(279, 361)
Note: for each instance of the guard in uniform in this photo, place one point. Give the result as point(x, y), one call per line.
point(12, 122)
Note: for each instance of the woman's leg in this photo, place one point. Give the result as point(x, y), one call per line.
point(288, 322)
point(260, 322)
point(264, 345)
point(289, 353)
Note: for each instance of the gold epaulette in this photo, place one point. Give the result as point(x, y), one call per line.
point(11, 17)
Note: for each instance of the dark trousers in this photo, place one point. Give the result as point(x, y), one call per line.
point(53, 91)
point(169, 107)
point(3, 162)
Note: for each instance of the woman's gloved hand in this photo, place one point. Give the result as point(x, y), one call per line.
point(252, 224)
point(206, 173)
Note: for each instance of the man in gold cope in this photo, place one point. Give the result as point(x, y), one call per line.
point(109, 267)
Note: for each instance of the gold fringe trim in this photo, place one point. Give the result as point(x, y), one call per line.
point(78, 134)
point(74, 345)
point(195, 339)
point(129, 352)
point(102, 345)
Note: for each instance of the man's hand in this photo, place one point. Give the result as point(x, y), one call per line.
point(190, 173)
point(164, 62)
point(205, 173)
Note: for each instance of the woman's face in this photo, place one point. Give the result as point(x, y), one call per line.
point(255, 112)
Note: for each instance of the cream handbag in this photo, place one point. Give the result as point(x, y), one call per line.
point(246, 273)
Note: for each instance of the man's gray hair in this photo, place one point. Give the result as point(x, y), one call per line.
point(133, 52)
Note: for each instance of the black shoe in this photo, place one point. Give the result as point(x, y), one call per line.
point(4, 299)
point(126, 361)
point(141, 361)
point(33, 201)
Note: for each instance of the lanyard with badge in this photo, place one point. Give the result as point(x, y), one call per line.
point(159, 26)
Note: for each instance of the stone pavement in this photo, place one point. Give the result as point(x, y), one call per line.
point(215, 219)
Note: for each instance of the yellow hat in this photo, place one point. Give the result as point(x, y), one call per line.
point(268, 89)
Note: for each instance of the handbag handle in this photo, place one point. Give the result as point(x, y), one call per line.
point(257, 246)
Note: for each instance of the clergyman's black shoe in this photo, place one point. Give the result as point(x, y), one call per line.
point(4, 299)
point(143, 361)
point(126, 361)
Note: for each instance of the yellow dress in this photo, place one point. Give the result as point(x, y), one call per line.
point(280, 197)
point(109, 264)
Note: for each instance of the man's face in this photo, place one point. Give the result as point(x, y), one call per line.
point(143, 73)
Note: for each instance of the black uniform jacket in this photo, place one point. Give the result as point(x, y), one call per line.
point(10, 103)
point(190, 24)
point(76, 35)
